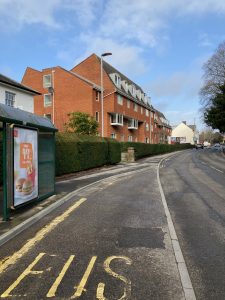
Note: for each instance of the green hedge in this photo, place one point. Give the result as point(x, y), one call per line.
point(1, 161)
point(75, 153)
point(142, 150)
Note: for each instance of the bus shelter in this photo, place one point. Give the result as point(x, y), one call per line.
point(27, 147)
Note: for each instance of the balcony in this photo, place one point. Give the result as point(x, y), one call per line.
point(132, 124)
point(116, 120)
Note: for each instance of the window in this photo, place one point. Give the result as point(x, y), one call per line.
point(147, 140)
point(146, 112)
point(147, 127)
point(10, 99)
point(97, 95)
point(117, 119)
point(47, 81)
point(141, 110)
point(132, 124)
point(139, 94)
point(48, 116)
point(113, 135)
point(122, 137)
point(117, 80)
point(133, 91)
point(130, 138)
point(119, 99)
point(136, 139)
point(97, 116)
point(135, 107)
point(128, 103)
point(125, 85)
point(47, 100)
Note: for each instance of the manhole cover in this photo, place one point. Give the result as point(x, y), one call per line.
point(141, 237)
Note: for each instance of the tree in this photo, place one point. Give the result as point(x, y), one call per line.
point(81, 123)
point(214, 115)
point(210, 136)
point(214, 76)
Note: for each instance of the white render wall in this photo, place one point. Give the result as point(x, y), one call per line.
point(23, 100)
point(183, 130)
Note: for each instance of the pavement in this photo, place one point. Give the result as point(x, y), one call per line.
point(66, 186)
point(71, 185)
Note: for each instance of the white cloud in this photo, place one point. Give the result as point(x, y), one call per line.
point(85, 11)
point(146, 20)
point(126, 58)
point(15, 14)
point(183, 83)
point(125, 20)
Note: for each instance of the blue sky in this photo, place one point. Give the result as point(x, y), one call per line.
point(160, 45)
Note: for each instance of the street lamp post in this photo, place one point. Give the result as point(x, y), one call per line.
point(102, 106)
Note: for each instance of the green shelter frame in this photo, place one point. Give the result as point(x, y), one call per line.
point(46, 151)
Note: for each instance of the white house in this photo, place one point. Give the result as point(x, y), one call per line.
point(15, 94)
point(184, 133)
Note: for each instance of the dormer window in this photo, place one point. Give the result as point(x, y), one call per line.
point(139, 94)
point(125, 85)
point(117, 80)
point(132, 90)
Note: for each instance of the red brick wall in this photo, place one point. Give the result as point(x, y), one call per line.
point(70, 94)
point(90, 68)
point(73, 94)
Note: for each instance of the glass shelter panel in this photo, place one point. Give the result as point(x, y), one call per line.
point(1, 171)
point(46, 165)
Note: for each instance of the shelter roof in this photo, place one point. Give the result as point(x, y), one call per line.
point(13, 115)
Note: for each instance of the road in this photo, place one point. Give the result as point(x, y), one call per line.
point(109, 242)
point(194, 186)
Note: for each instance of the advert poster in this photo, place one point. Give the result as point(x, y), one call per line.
point(25, 165)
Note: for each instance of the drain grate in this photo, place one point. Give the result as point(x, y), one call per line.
point(141, 237)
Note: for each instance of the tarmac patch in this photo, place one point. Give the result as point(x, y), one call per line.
point(141, 237)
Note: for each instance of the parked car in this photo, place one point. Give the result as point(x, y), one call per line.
point(217, 146)
point(199, 146)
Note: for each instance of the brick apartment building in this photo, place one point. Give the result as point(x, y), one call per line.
point(128, 115)
point(162, 128)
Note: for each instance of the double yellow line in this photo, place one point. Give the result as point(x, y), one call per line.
point(39, 236)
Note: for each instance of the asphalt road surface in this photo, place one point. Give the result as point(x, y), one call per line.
point(194, 186)
point(111, 242)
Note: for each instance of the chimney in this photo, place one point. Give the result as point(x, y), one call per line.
point(184, 122)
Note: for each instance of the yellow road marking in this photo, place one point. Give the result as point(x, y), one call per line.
point(39, 236)
point(101, 286)
point(53, 289)
point(84, 279)
point(100, 291)
point(23, 275)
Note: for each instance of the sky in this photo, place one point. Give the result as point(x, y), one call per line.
point(160, 45)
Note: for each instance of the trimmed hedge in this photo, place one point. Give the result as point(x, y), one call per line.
point(75, 153)
point(1, 161)
point(142, 149)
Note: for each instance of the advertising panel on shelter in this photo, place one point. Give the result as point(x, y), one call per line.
point(25, 158)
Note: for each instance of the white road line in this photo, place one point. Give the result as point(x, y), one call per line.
point(215, 169)
point(189, 293)
point(212, 167)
